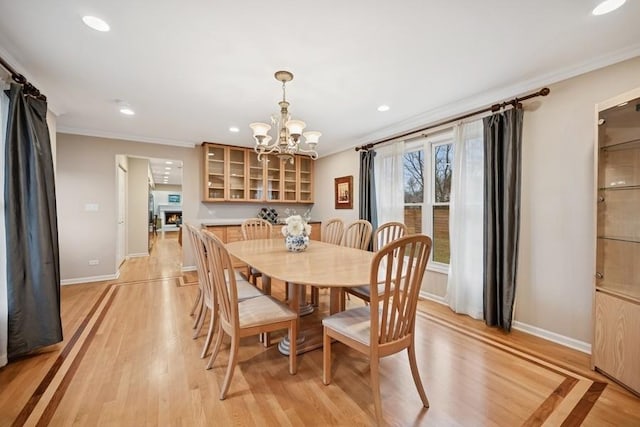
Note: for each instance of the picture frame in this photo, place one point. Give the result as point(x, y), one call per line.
point(174, 198)
point(343, 191)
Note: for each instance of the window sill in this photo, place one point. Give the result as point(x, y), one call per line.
point(437, 267)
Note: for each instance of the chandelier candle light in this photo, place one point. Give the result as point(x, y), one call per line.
point(296, 234)
point(289, 131)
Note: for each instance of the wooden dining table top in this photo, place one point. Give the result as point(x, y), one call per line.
point(321, 264)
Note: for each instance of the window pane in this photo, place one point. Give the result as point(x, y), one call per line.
point(413, 176)
point(443, 161)
point(440, 234)
point(413, 219)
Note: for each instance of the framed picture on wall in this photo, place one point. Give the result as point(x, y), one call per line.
point(174, 198)
point(344, 192)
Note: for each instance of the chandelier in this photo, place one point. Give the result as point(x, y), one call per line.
point(288, 131)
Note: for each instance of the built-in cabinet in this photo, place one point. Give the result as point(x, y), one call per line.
point(234, 174)
point(616, 343)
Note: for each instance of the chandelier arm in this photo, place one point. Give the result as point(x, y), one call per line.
point(313, 153)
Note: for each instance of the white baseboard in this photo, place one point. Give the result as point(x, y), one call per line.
point(433, 297)
point(89, 279)
point(189, 268)
point(575, 344)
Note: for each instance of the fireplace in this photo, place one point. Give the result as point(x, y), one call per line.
point(173, 218)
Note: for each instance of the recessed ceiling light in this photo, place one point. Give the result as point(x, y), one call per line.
point(234, 129)
point(167, 173)
point(383, 107)
point(607, 6)
point(96, 23)
point(167, 168)
point(168, 162)
point(125, 108)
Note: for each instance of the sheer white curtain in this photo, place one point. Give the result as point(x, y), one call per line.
point(389, 182)
point(464, 286)
point(4, 110)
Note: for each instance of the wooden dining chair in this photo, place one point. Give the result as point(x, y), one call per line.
point(198, 303)
point(240, 319)
point(387, 325)
point(253, 229)
point(203, 265)
point(384, 234)
point(332, 233)
point(358, 235)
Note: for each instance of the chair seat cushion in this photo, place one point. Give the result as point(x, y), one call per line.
point(354, 323)
point(246, 290)
point(263, 310)
point(364, 291)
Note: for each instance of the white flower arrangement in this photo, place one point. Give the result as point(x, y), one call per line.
point(296, 226)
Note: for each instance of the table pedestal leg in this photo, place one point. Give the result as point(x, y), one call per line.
point(294, 305)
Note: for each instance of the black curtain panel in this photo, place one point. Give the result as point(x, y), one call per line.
point(368, 209)
point(33, 268)
point(502, 165)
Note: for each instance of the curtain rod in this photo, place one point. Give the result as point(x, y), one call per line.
point(29, 89)
point(515, 102)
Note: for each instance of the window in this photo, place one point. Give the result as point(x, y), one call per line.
point(428, 211)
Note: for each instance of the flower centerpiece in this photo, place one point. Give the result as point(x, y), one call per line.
point(296, 233)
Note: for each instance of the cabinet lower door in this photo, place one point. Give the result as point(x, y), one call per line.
point(616, 347)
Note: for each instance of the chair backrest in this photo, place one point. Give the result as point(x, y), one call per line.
point(256, 228)
point(226, 293)
point(358, 235)
point(333, 231)
point(202, 264)
point(387, 233)
point(399, 266)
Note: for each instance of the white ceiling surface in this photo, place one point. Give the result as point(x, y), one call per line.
point(169, 168)
point(192, 69)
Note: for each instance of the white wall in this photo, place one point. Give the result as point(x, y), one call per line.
point(86, 175)
point(555, 273)
point(137, 207)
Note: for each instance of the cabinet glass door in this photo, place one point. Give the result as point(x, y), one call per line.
point(256, 178)
point(215, 176)
point(618, 247)
point(305, 189)
point(273, 180)
point(237, 174)
point(289, 180)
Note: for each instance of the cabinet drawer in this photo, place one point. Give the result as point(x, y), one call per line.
point(616, 348)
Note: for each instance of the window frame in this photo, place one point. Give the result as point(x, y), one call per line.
point(428, 144)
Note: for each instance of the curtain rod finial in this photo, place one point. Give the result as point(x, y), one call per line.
point(545, 91)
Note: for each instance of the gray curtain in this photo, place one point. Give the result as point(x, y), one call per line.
point(33, 269)
point(368, 209)
point(502, 165)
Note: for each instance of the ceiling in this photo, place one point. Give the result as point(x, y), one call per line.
point(166, 171)
point(191, 70)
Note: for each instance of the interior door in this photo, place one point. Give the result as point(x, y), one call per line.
point(121, 249)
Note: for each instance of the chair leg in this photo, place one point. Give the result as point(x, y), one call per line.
point(326, 357)
point(195, 302)
point(233, 359)
point(293, 347)
point(375, 389)
point(200, 307)
point(416, 376)
point(216, 347)
point(207, 342)
point(203, 314)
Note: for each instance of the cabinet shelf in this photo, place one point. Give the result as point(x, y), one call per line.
point(633, 144)
point(621, 239)
point(620, 187)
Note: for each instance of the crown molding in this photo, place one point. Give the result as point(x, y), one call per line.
point(125, 137)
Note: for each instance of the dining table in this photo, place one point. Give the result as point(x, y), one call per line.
point(321, 264)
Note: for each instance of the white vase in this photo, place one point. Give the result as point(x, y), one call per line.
point(296, 243)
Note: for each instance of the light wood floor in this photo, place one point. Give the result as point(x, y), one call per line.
point(128, 359)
